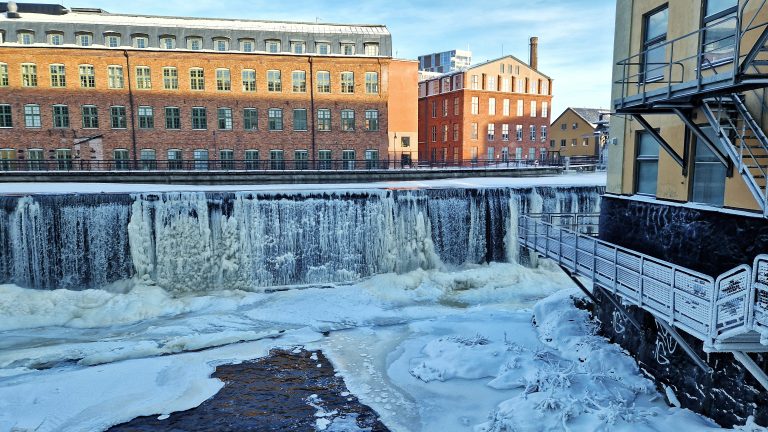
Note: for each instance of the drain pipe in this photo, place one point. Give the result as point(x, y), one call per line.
point(312, 108)
point(130, 100)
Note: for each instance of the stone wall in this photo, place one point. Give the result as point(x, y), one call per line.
point(710, 242)
point(728, 395)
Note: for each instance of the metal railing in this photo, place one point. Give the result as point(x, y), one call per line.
point(714, 61)
point(82, 165)
point(750, 149)
point(712, 310)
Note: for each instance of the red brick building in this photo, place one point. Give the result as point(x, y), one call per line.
point(85, 85)
point(495, 111)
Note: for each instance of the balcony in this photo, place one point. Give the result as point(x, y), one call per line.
point(728, 55)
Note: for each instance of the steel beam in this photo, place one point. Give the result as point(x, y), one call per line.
point(662, 143)
point(725, 160)
point(752, 367)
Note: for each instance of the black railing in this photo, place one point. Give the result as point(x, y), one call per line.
point(276, 165)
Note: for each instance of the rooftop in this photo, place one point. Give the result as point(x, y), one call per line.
point(590, 115)
point(53, 14)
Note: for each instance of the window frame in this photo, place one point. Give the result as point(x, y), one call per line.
point(60, 118)
point(58, 75)
point(170, 80)
point(275, 119)
point(146, 117)
point(639, 160)
point(172, 118)
point(347, 117)
point(87, 75)
point(224, 119)
point(117, 117)
point(347, 82)
point(223, 80)
point(32, 116)
point(323, 86)
point(90, 119)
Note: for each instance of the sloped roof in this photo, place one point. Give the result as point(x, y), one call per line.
point(99, 16)
point(509, 56)
point(590, 115)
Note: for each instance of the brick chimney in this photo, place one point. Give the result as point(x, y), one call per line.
point(533, 59)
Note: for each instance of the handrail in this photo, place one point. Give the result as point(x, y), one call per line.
point(120, 166)
point(712, 310)
point(662, 75)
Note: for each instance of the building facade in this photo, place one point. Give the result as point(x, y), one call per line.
point(446, 61)
point(84, 85)
point(494, 111)
point(576, 132)
point(687, 170)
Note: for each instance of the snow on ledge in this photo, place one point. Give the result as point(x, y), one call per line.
point(591, 179)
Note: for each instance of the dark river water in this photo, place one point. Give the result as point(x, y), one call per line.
point(286, 391)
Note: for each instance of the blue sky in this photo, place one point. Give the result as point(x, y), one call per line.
point(575, 36)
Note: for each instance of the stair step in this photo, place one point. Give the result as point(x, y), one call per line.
point(760, 62)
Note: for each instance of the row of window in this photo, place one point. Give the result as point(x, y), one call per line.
point(484, 82)
point(574, 141)
point(441, 155)
point(170, 80)
point(490, 132)
point(201, 159)
point(199, 118)
point(708, 177)
point(194, 43)
point(505, 107)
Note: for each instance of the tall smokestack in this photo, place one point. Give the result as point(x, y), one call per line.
point(533, 59)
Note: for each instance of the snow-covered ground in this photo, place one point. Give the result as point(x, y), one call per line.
point(428, 350)
point(586, 179)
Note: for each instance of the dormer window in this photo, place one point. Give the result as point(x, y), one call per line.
point(348, 49)
point(26, 38)
point(323, 48)
point(55, 39)
point(247, 45)
point(140, 42)
point(84, 39)
point(273, 46)
point(168, 42)
point(298, 47)
point(194, 43)
point(112, 40)
point(371, 49)
point(221, 44)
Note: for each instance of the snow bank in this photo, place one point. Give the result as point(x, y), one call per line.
point(29, 308)
point(580, 382)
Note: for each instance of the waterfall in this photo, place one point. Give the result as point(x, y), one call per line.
point(196, 241)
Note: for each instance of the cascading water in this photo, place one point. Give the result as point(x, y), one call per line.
point(195, 241)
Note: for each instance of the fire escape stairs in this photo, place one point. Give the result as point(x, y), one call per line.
point(744, 141)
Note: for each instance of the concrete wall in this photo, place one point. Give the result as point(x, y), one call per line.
point(267, 177)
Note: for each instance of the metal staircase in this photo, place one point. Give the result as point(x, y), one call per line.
point(744, 141)
point(728, 313)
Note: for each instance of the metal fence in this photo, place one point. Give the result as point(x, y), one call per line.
point(247, 165)
point(711, 310)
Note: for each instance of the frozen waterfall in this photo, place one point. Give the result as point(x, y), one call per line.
point(196, 241)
